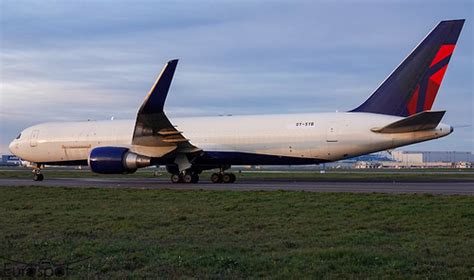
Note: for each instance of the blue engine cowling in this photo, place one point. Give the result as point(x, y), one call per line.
point(116, 160)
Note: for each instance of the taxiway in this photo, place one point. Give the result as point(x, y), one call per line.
point(445, 188)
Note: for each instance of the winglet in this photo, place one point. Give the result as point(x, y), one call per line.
point(421, 121)
point(155, 99)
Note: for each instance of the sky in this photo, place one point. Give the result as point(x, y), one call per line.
point(79, 60)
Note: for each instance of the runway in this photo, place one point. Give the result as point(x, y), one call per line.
point(437, 188)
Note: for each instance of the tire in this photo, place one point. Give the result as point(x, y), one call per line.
point(175, 179)
point(233, 178)
point(188, 178)
point(38, 177)
point(216, 178)
point(227, 178)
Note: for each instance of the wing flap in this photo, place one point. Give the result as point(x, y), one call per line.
point(175, 140)
point(421, 121)
point(167, 132)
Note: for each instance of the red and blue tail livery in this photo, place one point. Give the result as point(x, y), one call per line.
point(413, 86)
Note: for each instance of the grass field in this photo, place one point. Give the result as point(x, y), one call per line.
point(216, 234)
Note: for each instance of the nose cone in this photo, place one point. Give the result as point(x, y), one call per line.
point(10, 147)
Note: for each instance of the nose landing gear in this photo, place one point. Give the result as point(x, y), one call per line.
point(37, 176)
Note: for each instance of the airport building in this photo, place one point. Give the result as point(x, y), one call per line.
point(414, 159)
point(426, 156)
point(9, 160)
point(422, 159)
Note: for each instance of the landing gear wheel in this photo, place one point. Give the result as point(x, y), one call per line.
point(232, 178)
point(216, 178)
point(227, 178)
point(188, 178)
point(175, 179)
point(38, 177)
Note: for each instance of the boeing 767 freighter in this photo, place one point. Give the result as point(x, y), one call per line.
point(398, 113)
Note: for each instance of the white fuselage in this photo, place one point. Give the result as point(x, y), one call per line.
point(325, 136)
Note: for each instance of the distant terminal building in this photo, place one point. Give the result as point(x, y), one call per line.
point(10, 160)
point(416, 159)
point(426, 156)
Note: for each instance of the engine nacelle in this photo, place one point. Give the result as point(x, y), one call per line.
point(116, 160)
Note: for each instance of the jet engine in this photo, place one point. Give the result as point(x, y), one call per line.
point(116, 160)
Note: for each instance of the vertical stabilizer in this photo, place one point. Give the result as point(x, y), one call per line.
point(413, 86)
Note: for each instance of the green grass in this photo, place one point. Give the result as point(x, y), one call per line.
point(225, 234)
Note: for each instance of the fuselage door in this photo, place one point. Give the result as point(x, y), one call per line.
point(34, 138)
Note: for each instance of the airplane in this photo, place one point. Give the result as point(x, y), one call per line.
point(398, 113)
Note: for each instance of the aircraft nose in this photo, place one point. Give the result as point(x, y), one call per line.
point(11, 145)
point(451, 129)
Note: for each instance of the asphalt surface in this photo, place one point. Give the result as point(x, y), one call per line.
point(445, 188)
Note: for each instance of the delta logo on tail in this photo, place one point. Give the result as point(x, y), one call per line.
point(413, 86)
point(431, 82)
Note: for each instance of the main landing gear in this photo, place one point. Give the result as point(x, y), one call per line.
point(193, 178)
point(223, 177)
point(187, 177)
point(37, 176)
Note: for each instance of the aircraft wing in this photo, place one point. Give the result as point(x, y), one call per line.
point(154, 135)
point(421, 121)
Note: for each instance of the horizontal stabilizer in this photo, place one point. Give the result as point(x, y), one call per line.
point(421, 121)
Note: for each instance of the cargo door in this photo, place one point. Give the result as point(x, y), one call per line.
point(332, 139)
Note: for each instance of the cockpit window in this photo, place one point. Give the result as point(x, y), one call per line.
point(18, 137)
